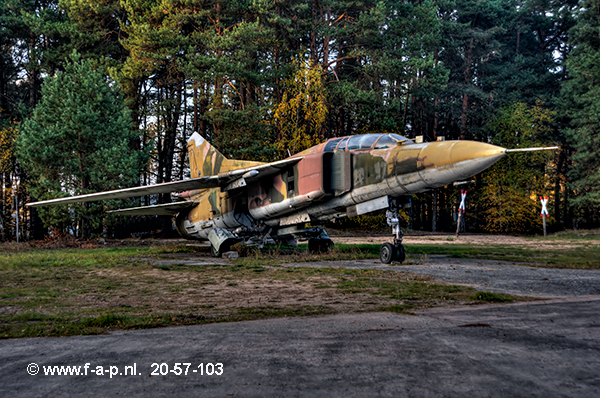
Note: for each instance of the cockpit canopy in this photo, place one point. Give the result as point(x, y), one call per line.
point(365, 141)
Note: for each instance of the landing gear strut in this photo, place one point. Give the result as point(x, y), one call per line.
point(393, 251)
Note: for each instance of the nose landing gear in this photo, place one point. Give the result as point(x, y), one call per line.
point(393, 251)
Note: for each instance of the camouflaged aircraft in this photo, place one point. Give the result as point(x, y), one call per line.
point(228, 201)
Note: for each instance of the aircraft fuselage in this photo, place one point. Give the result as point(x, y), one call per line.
point(341, 177)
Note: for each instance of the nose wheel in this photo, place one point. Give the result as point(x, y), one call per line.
point(389, 252)
point(393, 251)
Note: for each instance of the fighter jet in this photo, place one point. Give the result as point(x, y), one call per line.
point(228, 201)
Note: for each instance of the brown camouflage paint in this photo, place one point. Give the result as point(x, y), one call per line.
point(368, 167)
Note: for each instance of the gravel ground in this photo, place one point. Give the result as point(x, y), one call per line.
point(486, 275)
point(490, 275)
point(531, 349)
point(503, 277)
point(544, 348)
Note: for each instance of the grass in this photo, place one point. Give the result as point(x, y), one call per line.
point(573, 234)
point(576, 257)
point(93, 290)
point(65, 292)
point(579, 257)
point(492, 297)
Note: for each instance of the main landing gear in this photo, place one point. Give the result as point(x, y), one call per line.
point(318, 241)
point(393, 251)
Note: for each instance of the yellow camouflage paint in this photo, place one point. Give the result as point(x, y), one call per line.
point(206, 160)
point(394, 167)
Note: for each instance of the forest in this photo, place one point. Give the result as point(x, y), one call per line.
point(104, 94)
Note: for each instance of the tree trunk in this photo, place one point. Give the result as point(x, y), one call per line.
point(557, 190)
point(435, 102)
point(171, 123)
point(3, 86)
point(313, 34)
point(465, 104)
point(195, 106)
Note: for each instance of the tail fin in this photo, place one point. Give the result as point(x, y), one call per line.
point(205, 160)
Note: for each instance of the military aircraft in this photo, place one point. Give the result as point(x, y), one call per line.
point(228, 201)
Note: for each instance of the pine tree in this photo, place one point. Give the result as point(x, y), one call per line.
point(78, 141)
point(581, 95)
point(511, 187)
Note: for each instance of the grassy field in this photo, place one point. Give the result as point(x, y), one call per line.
point(59, 292)
point(577, 256)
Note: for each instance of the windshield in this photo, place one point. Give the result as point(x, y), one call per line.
point(391, 140)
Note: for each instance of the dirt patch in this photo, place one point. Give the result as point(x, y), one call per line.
point(93, 291)
point(217, 290)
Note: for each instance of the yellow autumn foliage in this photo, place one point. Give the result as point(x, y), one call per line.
point(7, 148)
point(512, 186)
point(302, 110)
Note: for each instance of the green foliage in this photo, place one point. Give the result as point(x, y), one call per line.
point(231, 70)
point(382, 71)
point(581, 101)
point(245, 134)
point(93, 28)
point(511, 187)
point(78, 141)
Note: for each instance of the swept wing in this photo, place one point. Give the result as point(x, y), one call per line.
point(167, 209)
point(219, 180)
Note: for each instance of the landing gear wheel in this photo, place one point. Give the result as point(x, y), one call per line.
point(400, 253)
point(313, 246)
point(386, 253)
point(214, 252)
point(317, 245)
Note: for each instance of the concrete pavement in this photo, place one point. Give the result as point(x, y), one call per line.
point(540, 349)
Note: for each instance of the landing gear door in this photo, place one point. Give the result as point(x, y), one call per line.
point(340, 172)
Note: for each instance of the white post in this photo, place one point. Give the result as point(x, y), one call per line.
point(17, 207)
point(461, 210)
point(544, 213)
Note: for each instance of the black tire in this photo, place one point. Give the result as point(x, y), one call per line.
point(313, 245)
point(386, 253)
point(328, 245)
point(214, 252)
point(317, 245)
point(400, 254)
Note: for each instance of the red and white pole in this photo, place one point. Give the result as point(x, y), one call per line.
point(544, 213)
point(461, 210)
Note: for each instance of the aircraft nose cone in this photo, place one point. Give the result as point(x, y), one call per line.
point(469, 150)
point(470, 157)
point(446, 161)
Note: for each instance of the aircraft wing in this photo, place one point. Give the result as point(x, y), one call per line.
point(256, 172)
point(167, 187)
point(223, 180)
point(167, 209)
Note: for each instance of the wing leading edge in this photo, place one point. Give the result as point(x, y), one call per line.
point(168, 209)
point(219, 180)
